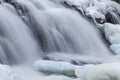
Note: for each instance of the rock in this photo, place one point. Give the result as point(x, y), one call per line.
point(117, 1)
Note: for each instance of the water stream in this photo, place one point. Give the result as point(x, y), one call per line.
point(32, 29)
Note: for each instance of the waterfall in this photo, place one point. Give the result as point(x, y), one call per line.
point(32, 28)
point(56, 30)
point(16, 39)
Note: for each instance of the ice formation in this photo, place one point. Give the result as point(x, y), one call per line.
point(6, 73)
point(55, 67)
point(112, 34)
point(108, 71)
point(96, 9)
point(105, 71)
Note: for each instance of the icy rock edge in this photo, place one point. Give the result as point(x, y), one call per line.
point(106, 71)
point(112, 34)
point(6, 73)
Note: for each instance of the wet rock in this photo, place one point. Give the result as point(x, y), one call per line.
point(117, 1)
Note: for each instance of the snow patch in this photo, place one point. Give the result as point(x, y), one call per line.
point(112, 34)
point(115, 48)
point(55, 67)
point(108, 71)
point(90, 12)
point(93, 8)
point(6, 73)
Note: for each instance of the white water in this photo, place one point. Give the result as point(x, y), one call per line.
point(36, 28)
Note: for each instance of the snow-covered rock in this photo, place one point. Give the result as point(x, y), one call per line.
point(6, 73)
point(55, 67)
point(94, 14)
point(115, 48)
point(93, 8)
point(112, 33)
point(108, 71)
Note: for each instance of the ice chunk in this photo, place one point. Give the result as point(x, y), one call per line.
point(108, 71)
point(6, 73)
point(81, 71)
point(94, 14)
point(115, 48)
point(112, 33)
point(55, 67)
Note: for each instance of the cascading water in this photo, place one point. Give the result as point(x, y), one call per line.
point(54, 29)
point(31, 29)
point(61, 33)
point(16, 39)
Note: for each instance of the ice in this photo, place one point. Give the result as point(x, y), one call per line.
point(55, 67)
point(94, 8)
point(115, 48)
point(6, 73)
point(94, 14)
point(112, 33)
point(108, 71)
point(104, 71)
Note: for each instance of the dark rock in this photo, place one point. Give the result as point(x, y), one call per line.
point(100, 21)
point(110, 18)
point(118, 1)
point(8, 1)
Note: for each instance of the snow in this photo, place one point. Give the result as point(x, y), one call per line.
point(105, 71)
point(108, 71)
point(80, 72)
point(55, 67)
point(93, 8)
point(94, 14)
point(112, 34)
point(115, 48)
point(6, 73)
